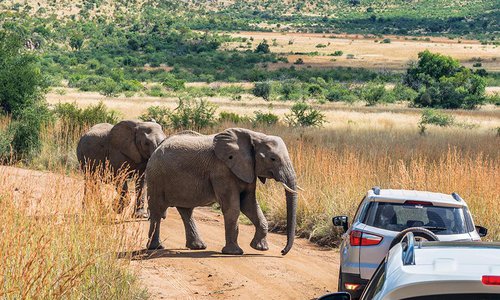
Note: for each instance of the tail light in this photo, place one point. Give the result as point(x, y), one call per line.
point(360, 238)
point(491, 280)
point(422, 203)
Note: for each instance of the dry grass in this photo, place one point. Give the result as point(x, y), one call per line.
point(336, 168)
point(367, 53)
point(51, 249)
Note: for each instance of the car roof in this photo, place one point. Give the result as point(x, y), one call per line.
point(400, 196)
point(442, 268)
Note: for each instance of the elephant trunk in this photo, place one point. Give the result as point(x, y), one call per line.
point(291, 208)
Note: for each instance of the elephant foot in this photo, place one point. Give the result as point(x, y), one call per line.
point(232, 249)
point(259, 244)
point(140, 213)
point(155, 246)
point(196, 245)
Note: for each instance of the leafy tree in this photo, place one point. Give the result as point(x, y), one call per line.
point(262, 89)
point(441, 82)
point(76, 41)
point(21, 82)
point(263, 47)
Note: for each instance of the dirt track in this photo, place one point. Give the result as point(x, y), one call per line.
point(306, 272)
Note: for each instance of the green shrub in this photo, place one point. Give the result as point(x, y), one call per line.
point(108, 87)
point(262, 118)
point(373, 93)
point(131, 86)
point(76, 119)
point(434, 117)
point(158, 114)
point(262, 89)
point(173, 83)
point(155, 91)
point(235, 118)
point(315, 90)
point(339, 92)
point(193, 114)
point(290, 89)
point(442, 83)
point(263, 47)
point(337, 53)
point(304, 115)
point(299, 61)
point(21, 82)
point(404, 93)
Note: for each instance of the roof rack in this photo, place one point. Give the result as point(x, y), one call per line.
point(376, 190)
point(456, 197)
point(408, 244)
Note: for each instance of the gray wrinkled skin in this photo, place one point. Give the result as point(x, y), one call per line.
point(189, 170)
point(127, 145)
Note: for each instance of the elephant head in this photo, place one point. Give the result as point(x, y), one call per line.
point(252, 155)
point(136, 140)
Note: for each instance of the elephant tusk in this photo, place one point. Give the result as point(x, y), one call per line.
point(288, 188)
point(300, 189)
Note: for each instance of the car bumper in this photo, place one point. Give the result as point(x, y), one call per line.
point(353, 279)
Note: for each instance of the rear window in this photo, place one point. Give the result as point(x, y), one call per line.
point(398, 217)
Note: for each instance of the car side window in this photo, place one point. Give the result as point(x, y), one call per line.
point(358, 217)
point(468, 220)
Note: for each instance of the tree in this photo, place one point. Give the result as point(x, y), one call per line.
point(263, 47)
point(76, 41)
point(262, 89)
point(303, 115)
point(21, 83)
point(442, 83)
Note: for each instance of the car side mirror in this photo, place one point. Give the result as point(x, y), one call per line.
point(336, 296)
point(482, 231)
point(341, 221)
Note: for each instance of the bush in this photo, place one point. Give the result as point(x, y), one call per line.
point(299, 61)
point(442, 83)
point(108, 87)
point(263, 47)
point(235, 118)
point(373, 93)
point(173, 83)
point(26, 130)
point(337, 53)
point(340, 92)
point(21, 83)
point(434, 117)
point(193, 114)
point(158, 114)
point(155, 91)
point(76, 119)
point(404, 93)
point(304, 115)
point(262, 118)
point(262, 89)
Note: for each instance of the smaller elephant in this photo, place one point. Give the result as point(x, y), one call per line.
point(127, 145)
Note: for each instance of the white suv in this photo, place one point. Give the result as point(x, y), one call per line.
point(435, 271)
point(385, 216)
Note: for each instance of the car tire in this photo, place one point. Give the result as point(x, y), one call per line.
point(418, 232)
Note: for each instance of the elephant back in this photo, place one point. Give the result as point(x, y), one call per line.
point(93, 146)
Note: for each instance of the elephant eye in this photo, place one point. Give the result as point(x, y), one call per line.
point(273, 159)
point(230, 157)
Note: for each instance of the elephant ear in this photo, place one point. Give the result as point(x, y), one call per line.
point(234, 147)
point(122, 138)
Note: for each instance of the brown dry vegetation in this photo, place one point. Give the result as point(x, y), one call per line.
point(367, 53)
point(51, 249)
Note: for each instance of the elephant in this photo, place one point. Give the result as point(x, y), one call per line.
point(190, 169)
point(127, 145)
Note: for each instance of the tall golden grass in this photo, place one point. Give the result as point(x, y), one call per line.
point(337, 167)
point(52, 249)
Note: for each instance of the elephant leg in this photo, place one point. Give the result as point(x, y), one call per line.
point(193, 240)
point(251, 209)
point(231, 212)
point(140, 211)
point(154, 233)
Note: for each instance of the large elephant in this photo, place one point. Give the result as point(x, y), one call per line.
point(189, 170)
point(127, 145)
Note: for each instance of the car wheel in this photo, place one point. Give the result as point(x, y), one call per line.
point(417, 232)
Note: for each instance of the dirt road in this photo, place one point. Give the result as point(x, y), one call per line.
point(306, 272)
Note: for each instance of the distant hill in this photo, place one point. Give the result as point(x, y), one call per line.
point(470, 18)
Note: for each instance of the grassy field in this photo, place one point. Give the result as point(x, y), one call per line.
point(367, 51)
point(50, 249)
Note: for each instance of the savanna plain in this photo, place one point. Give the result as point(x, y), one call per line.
point(334, 94)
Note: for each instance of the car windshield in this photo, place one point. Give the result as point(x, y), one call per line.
point(399, 216)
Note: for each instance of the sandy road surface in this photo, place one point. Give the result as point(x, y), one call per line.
point(306, 272)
